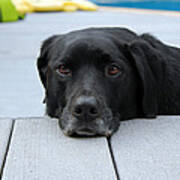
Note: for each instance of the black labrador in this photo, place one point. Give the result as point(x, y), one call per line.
point(96, 77)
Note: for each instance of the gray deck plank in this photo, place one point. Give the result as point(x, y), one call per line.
point(5, 129)
point(40, 151)
point(148, 149)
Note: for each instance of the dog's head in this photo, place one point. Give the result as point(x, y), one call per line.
point(92, 79)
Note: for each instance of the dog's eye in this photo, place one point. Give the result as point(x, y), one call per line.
point(112, 70)
point(64, 71)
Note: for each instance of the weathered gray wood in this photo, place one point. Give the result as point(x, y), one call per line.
point(5, 128)
point(39, 151)
point(148, 149)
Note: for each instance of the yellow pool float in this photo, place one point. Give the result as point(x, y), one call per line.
point(53, 5)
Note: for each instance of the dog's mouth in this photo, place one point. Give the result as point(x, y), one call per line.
point(87, 132)
point(105, 125)
point(88, 116)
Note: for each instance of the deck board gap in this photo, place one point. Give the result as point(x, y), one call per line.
point(7, 149)
point(113, 158)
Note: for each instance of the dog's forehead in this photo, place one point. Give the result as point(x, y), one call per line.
point(89, 46)
point(79, 48)
point(91, 43)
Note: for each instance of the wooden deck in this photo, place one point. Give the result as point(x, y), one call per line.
point(34, 148)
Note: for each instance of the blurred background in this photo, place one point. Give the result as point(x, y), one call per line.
point(143, 4)
point(25, 24)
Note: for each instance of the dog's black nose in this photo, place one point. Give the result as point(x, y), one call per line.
point(86, 107)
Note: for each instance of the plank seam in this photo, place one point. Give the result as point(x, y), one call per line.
point(113, 158)
point(7, 149)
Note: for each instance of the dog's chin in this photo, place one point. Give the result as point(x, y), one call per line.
point(68, 131)
point(71, 127)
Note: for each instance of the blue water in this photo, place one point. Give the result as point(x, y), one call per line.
point(160, 5)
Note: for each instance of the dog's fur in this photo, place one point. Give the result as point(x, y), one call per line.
point(148, 83)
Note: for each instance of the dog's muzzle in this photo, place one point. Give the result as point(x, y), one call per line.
point(86, 116)
point(85, 110)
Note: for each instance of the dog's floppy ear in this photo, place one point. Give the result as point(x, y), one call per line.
point(148, 63)
point(42, 61)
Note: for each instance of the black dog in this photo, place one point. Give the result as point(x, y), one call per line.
point(94, 78)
